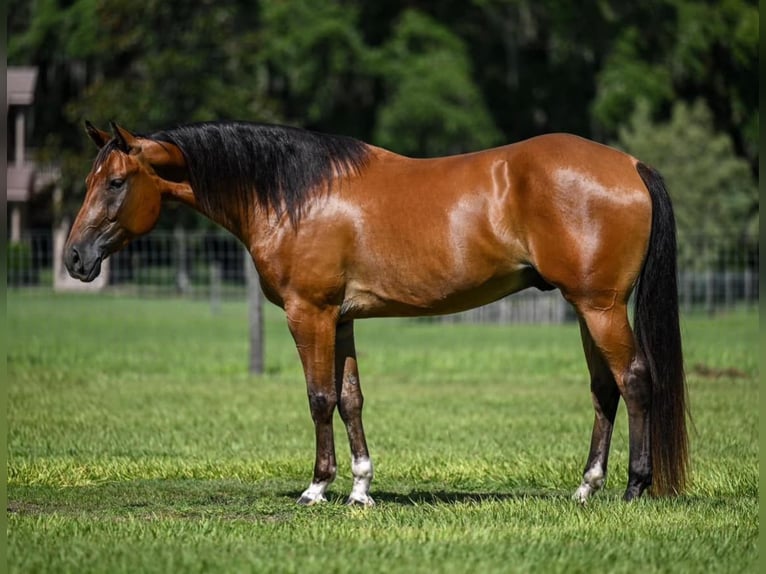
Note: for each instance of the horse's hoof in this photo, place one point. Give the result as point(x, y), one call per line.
point(309, 500)
point(364, 501)
point(581, 494)
point(631, 494)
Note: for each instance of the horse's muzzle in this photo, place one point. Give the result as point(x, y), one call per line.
point(83, 263)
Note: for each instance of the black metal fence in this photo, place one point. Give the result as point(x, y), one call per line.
point(212, 265)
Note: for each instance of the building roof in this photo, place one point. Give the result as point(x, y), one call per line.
point(20, 85)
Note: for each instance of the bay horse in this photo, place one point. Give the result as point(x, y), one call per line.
point(342, 230)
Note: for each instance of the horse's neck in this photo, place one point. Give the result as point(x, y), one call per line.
point(237, 223)
point(180, 192)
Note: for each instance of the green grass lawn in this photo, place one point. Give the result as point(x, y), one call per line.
point(137, 443)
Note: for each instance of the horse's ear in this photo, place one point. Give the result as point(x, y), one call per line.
point(126, 141)
point(98, 136)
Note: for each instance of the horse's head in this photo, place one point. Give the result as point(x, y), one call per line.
point(123, 197)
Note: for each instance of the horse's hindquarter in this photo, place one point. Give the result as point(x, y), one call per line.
point(586, 214)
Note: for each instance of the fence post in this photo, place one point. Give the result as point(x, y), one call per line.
point(254, 315)
point(182, 274)
point(215, 287)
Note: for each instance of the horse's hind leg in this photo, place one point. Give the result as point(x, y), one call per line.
point(606, 397)
point(610, 332)
point(350, 406)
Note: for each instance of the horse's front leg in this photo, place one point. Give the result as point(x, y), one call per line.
point(314, 334)
point(349, 391)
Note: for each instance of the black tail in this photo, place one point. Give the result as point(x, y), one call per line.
point(659, 336)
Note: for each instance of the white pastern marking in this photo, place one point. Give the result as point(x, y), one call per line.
point(592, 481)
point(595, 476)
point(362, 470)
point(314, 493)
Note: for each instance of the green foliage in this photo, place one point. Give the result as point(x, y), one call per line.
point(170, 65)
point(137, 443)
point(686, 49)
point(712, 189)
point(436, 79)
point(627, 78)
point(715, 56)
point(432, 106)
point(20, 269)
point(316, 57)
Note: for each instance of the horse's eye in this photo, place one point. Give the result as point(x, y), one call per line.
point(116, 183)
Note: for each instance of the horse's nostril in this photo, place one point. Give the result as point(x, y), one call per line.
point(75, 262)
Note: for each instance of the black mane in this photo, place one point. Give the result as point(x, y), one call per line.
point(280, 167)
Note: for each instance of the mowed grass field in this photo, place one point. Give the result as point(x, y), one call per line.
point(138, 443)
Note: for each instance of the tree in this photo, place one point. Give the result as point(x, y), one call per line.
point(149, 64)
point(448, 76)
point(670, 50)
point(431, 104)
point(538, 60)
point(316, 64)
point(712, 189)
point(414, 94)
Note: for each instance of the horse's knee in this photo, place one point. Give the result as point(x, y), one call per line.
point(637, 385)
point(322, 404)
point(351, 398)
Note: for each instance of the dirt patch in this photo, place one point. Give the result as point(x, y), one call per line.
point(708, 372)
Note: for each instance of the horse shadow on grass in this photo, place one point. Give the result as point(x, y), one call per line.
point(196, 499)
point(448, 497)
point(193, 499)
point(455, 497)
point(226, 499)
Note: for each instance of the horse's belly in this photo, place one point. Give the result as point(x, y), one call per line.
point(390, 296)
